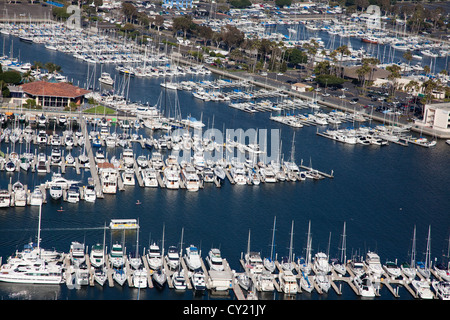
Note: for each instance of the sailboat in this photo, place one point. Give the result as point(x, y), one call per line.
point(269, 263)
point(409, 269)
point(339, 264)
point(424, 267)
point(289, 264)
point(159, 276)
point(178, 277)
point(136, 261)
point(304, 263)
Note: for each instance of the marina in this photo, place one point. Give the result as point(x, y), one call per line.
point(222, 207)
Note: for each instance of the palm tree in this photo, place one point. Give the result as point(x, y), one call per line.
point(342, 50)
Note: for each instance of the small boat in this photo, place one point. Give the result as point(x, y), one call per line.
point(106, 79)
point(179, 280)
point(198, 280)
point(159, 277)
point(442, 289)
point(139, 278)
point(173, 257)
point(364, 286)
point(5, 198)
point(244, 281)
point(422, 289)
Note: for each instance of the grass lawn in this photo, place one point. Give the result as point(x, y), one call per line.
point(100, 110)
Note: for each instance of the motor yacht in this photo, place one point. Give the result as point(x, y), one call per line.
point(198, 280)
point(373, 264)
point(214, 259)
point(105, 78)
point(149, 176)
point(5, 198)
point(191, 179)
point(97, 256)
point(108, 178)
point(422, 289)
point(73, 194)
point(193, 258)
point(36, 198)
point(173, 257)
point(20, 195)
point(364, 286)
point(288, 282)
point(392, 269)
point(56, 192)
point(139, 277)
point(128, 177)
point(90, 195)
point(77, 255)
point(154, 256)
point(116, 256)
point(172, 177)
point(442, 289)
point(320, 264)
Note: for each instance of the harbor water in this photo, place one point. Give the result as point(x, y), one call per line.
point(381, 193)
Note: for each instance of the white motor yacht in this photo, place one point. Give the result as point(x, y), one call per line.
point(288, 282)
point(90, 195)
point(116, 256)
point(36, 198)
point(373, 264)
point(20, 195)
point(154, 256)
point(73, 194)
point(215, 260)
point(128, 177)
point(442, 289)
point(77, 255)
point(105, 78)
point(56, 192)
point(55, 157)
point(5, 198)
point(364, 286)
point(321, 264)
point(172, 177)
point(392, 269)
point(149, 176)
point(193, 258)
point(139, 277)
point(191, 179)
point(179, 280)
point(108, 178)
point(173, 257)
point(97, 256)
point(422, 289)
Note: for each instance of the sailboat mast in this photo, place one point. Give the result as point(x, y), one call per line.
point(39, 230)
point(413, 250)
point(428, 254)
point(292, 238)
point(344, 244)
point(273, 237)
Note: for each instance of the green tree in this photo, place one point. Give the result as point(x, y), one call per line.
point(283, 3)
point(183, 23)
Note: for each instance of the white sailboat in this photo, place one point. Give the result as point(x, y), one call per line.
point(409, 269)
point(424, 267)
point(289, 264)
point(269, 262)
point(304, 263)
point(159, 276)
point(339, 265)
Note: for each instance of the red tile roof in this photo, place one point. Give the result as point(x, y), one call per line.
point(50, 89)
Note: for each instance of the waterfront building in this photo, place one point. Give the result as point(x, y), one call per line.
point(57, 95)
point(437, 117)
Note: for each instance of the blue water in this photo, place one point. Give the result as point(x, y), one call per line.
point(381, 193)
